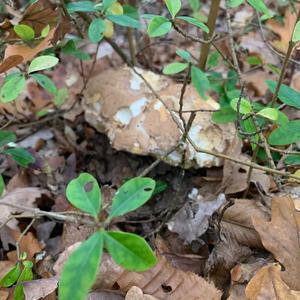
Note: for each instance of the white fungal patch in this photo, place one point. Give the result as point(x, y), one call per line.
point(137, 106)
point(123, 116)
point(158, 105)
point(135, 82)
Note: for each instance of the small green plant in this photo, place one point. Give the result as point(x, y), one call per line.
point(21, 272)
point(128, 250)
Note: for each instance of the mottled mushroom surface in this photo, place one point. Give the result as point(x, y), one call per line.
point(119, 104)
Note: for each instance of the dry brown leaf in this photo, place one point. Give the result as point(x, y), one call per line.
point(235, 175)
point(242, 273)
point(237, 221)
point(224, 256)
point(284, 31)
point(267, 284)
point(10, 62)
point(237, 292)
point(135, 293)
point(163, 281)
point(4, 294)
point(5, 266)
point(168, 283)
point(27, 52)
point(37, 15)
point(281, 237)
point(39, 288)
point(28, 244)
point(107, 295)
point(22, 197)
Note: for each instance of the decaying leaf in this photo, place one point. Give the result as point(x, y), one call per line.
point(281, 237)
point(39, 288)
point(21, 197)
point(224, 256)
point(28, 244)
point(27, 52)
point(267, 284)
point(284, 31)
point(191, 221)
point(163, 282)
point(235, 175)
point(135, 293)
point(10, 62)
point(237, 221)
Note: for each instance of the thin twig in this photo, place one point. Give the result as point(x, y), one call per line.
point(21, 236)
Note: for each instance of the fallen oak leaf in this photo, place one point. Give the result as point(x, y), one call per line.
point(281, 237)
point(27, 52)
point(267, 284)
point(10, 62)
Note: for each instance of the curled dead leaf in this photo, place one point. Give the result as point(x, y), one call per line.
point(267, 284)
point(281, 237)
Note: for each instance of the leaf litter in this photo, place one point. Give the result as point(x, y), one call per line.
point(244, 248)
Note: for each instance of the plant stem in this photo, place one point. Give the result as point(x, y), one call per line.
point(211, 23)
point(285, 64)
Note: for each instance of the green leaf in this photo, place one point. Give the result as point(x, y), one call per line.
point(108, 3)
point(296, 33)
point(42, 62)
point(245, 106)
point(282, 118)
point(70, 49)
point(225, 115)
point(20, 155)
point(249, 127)
point(11, 276)
point(173, 6)
point(80, 270)
point(12, 87)
point(235, 3)
point(174, 68)
point(25, 32)
point(45, 82)
point(84, 193)
point(292, 159)
point(160, 186)
point(129, 251)
point(6, 137)
point(60, 96)
point(159, 26)
point(96, 29)
point(19, 292)
point(195, 22)
point(269, 113)
point(124, 20)
point(286, 94)
point(185, 55)
point(2, 188)
point(81, 6)
point(286, 134)
point(45, 31)
point(131, 11)
point(213, 59)
point(260, 6)
point(131, 195)
point(254, 60)
point(195, 5)
point(200, 81)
